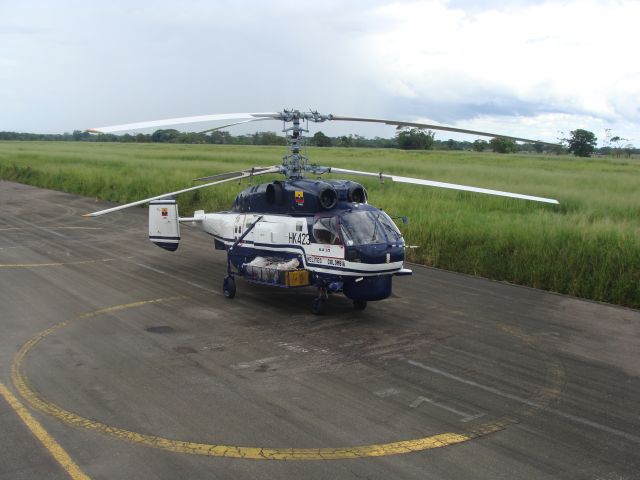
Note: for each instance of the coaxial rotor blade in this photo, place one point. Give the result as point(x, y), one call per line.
point(431, 183)
point(236, 123)
point(254, 171)
point(435, 127)
point(179, 121)
point(240, 175)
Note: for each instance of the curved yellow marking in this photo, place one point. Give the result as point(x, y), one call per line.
point(232, 451)
point(32, 265)
point(53, 447)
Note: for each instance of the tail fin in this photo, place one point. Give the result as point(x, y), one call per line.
point(164, 227)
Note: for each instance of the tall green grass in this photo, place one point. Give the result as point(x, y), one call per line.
point(587, 246)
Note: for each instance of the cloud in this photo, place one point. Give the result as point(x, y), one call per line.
point(569, 57)
point(74, 64)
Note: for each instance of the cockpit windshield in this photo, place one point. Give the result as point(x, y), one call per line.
point(366, 227)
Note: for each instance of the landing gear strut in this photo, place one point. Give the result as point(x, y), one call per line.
point(229, 284)
point(318, 303)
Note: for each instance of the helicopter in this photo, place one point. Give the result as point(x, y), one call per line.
point(304, 230)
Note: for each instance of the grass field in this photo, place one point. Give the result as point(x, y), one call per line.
point(588, 246)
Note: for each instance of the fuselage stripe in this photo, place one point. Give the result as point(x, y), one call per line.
point(316, 268)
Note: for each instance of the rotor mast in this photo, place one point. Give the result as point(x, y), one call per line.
point(295, 163)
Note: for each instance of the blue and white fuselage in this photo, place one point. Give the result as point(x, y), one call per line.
point(341, 242)
point(359, 247)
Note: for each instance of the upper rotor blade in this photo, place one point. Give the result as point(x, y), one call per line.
point(452, 186)
point(179, 121)
point(436, 127)
point(240, 175)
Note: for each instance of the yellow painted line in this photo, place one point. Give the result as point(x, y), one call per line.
point(38, 402)
point(54, 448)
point(52, 228)
point(34, 265)
point(76, 228)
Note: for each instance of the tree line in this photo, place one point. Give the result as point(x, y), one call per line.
point(580, 142)
point(413, 139)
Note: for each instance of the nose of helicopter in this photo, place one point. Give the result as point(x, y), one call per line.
point(373, 287)
point(380, 253)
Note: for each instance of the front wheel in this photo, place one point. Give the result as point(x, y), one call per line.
point(359, 304)
point(229, 287)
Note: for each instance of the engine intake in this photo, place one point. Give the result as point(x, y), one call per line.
point(275, 193)
point(328, 198)
point(357, 194)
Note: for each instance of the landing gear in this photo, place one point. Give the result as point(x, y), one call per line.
point(318, 303)
point(359, 304)
point(317, 306)
point(229, 287)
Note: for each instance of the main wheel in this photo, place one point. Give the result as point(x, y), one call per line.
point(359, 304)
point(317, 305)
point(229, 287)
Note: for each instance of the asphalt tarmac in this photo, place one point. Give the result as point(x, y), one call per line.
point(120, 360)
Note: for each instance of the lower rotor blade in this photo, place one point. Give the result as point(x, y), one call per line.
point(452, 186)
point(236, 123)
point(178, 192)
point(436, 127)
point(254, 171)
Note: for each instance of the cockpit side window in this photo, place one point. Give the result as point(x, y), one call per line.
point(326, 230)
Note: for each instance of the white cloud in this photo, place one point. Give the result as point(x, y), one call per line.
point(575, 57)
point(549, 126)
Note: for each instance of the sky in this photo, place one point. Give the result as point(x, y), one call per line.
point(530, 69)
